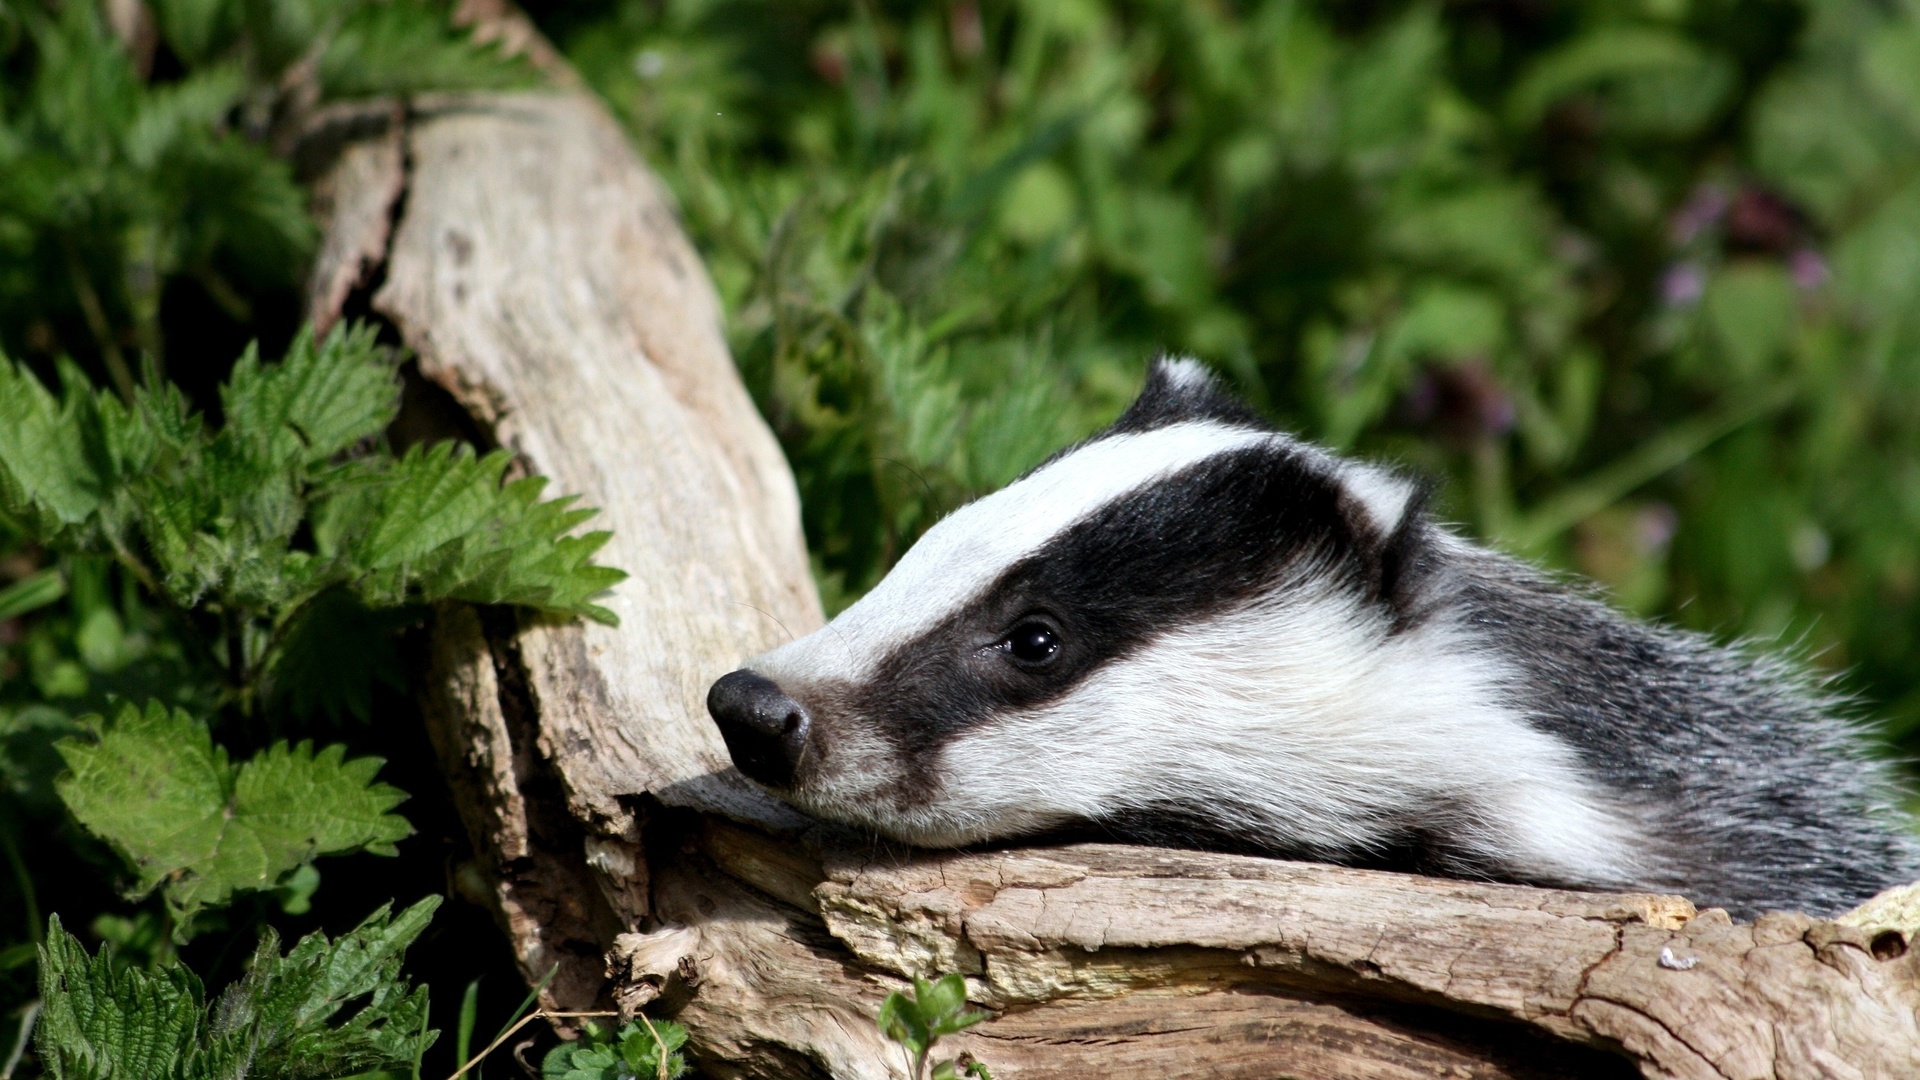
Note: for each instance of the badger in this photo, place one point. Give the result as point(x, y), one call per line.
point(1194, 630)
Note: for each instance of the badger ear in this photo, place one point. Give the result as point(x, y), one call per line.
point(1180, 390)
point(1380, 498)
point(1386, 513)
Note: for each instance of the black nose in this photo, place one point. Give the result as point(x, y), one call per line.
point(766, 731)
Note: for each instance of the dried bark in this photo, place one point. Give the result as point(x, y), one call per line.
point(535, 268)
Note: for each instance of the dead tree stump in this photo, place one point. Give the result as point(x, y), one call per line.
point(536, 270)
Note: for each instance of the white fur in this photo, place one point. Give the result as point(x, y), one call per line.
point(1384, 495)
point(1186, 373)
point(968, 549)
point(1301, 718)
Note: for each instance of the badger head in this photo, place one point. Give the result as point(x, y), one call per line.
point(1188, 629)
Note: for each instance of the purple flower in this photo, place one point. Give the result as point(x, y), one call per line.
point(1700, 212)
point(1809, 270)
point(1683, 284)
point(1654, 527)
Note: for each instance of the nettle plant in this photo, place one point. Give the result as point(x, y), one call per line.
point(224, 582)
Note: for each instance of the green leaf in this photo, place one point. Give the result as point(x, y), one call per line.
point(336, 650)
point(49, 482)
point(316, 402)
point(463, 1032)
point(1890, 65)
point(901, 1021)
point(445, 527)
point(29, 761)
point(282, 1020)
point(934, 1010)
point(571, 1061)
point(170, 113)
point(31, 593)
point(1749, 314)
point(642, 1052)
point(196, 29)
point(1657, 81)
point(103, 1019)
point(632, 1053)
point(405, 45)
point(157, 789)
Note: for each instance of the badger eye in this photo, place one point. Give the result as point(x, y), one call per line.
point(1032, 643)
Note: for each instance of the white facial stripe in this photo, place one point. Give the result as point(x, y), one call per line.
point(1301, 722)
point(968, 549)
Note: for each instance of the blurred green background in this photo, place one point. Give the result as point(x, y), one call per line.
point(1638, 279)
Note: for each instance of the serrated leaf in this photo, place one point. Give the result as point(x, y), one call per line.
point(435, 497)
point(403, 46)
point(48, 481)
point(644, 1045)
point(445, 527)
point(280, 1021)
point(174, 111)
point(280, 1016)
point(103, 1019)
point(315, 403)
point(335, 652)
point(156, 788)
point(632, 1053)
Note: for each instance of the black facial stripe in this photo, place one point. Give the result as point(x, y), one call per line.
point(1193, 545)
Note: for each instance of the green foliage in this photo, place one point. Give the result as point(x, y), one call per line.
point(289, 520)
point(919, 1020)
point(113, 186)
point(154, 786)
point(220, 556)
point(1638, 279)
point(283, 1019)
point(31, 593)
point(641, 1049)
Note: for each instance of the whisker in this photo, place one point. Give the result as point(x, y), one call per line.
point(768, 614)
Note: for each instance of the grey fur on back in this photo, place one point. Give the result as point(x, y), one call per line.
point(1764, 793)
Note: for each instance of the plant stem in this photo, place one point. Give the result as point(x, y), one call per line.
point(659, 1048)
point(222, 292)
point(508, 1034)
point(28, 899)
point(1658, 455)
point(97, 324)
point(27, 1017)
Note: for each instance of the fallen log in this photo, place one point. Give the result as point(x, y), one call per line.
point(535, 269)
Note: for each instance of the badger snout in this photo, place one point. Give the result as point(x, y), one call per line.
point(765, 729)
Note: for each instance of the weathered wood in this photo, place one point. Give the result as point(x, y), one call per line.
point(536, 269)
